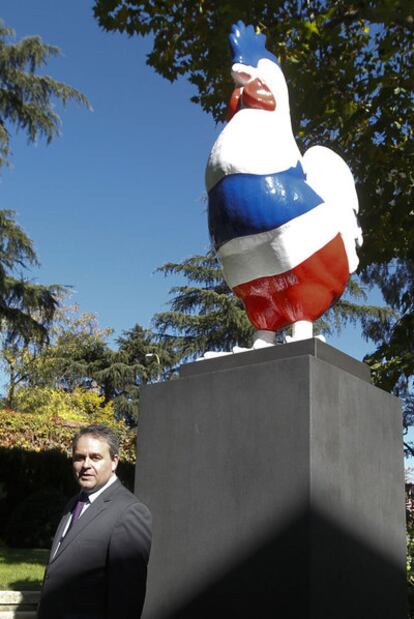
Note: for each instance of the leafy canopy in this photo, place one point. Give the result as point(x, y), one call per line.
point(350, 71)
point(205, 315)
point(27, 102)
point(26, 98)
point(26, 308)
point(78, 356)
point(349, 68)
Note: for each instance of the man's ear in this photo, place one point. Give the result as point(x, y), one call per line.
point(115, 461)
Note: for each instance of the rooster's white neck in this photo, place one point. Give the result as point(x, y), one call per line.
point(253, 142)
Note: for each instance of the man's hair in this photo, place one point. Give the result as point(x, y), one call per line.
point(99, 431)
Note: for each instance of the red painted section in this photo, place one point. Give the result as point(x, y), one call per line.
point(234, 103)
point(303, 293)
point(257, 95)
point(254, 94)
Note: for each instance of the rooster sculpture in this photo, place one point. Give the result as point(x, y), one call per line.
point(283, 226)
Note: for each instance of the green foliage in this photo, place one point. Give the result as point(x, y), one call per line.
point(349, 67)
point(79, 357)
point(27, 100)
point(78, 361)
point(37, 432)
point(45, 508)
point(22, 570)
point(77, 353)
point(352, 309)
point(78, 405)
point(143, 361)
point(205, 314)
point(394, 358)
point(25, 476)
point(26, 309)
point(409, 503)
point(26, 473)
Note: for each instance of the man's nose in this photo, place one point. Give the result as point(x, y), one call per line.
point(87, 463)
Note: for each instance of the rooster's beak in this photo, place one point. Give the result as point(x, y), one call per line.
point(250, 91)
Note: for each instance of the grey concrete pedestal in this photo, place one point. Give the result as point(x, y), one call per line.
point(275, 479)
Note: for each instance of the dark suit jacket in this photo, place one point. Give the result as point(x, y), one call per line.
point(100, 569)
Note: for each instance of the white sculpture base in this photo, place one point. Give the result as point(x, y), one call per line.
point(301, 330)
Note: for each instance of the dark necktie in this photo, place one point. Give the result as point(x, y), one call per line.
point(81, 502)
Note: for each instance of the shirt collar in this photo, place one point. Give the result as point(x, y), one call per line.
point(94, 495)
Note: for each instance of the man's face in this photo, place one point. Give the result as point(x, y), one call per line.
point(92, 462)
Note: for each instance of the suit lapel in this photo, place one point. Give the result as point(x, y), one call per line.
point(93, 511)
point(62, 525)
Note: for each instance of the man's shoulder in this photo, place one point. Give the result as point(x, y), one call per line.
point(122, 493)
point(122, 496)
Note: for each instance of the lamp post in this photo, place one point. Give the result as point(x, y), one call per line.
point(150, 355)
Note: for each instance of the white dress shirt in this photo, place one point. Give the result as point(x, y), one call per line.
point(91, 498)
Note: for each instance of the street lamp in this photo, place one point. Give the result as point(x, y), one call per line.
point(150, 355)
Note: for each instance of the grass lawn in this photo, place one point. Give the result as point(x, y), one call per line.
point(22, 569)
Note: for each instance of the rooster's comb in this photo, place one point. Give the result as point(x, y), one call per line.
point(247, 46)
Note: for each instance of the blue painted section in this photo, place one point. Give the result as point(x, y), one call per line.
point(247, 47)
point(244, 204)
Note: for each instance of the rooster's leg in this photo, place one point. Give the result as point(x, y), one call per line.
point(301, 330)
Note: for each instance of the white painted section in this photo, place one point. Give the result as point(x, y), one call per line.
point(256, 141)
point(328, 174)
point(262, 142)
point(279, 250)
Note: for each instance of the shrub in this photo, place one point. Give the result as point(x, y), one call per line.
point(79, 405)
point(35, 459)
point(34, 432)
point(38, 476)
point(33, 522)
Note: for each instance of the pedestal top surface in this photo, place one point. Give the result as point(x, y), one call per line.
point(312, 347)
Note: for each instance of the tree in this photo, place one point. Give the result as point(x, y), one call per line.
point(349, 66)
point(205, 314)
point(393, 361)
point(77, 353)
point(79, 406)
point(57, 361)
point(26, 308)
point(27, 100)
point(145, 361)
point(78, 357)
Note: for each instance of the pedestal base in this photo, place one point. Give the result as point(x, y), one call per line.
point(275, 479)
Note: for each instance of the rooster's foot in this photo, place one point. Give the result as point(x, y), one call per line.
point(263, 339)
point(237, 349)
point(212, 354)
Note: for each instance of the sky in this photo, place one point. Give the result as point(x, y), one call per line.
point(121, 191)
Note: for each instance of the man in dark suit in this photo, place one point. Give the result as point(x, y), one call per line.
point(98, 563)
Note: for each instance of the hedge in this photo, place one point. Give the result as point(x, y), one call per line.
point(36, 474)
point(36, 432)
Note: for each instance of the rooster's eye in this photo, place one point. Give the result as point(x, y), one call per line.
point(241, 77)
point(244, 77)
